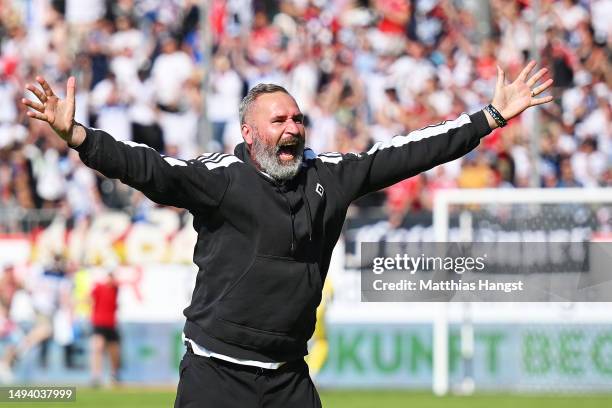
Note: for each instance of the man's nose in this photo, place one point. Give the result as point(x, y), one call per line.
point(292, 127)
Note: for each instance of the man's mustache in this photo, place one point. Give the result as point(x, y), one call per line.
point(291, 141)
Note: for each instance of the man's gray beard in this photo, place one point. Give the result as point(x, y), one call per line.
point(271, 164)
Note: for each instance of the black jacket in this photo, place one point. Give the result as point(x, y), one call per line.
point(263, 248)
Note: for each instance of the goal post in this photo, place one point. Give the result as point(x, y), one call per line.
point(470, 205)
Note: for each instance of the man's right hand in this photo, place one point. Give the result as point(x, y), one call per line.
point(58, 113)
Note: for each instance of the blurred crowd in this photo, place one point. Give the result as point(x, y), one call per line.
point(48, 294)
point(57, 302)
point(361, 70)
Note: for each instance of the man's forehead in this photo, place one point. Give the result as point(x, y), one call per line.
point(277, 103)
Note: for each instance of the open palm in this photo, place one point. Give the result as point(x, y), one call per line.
point(58, 113)
point(511, 99)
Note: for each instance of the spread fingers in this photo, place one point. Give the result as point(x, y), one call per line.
point(34, 105)
point(36, 91)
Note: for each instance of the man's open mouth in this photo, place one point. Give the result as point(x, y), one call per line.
point(288, 150)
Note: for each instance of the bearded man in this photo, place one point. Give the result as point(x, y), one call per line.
point(267, 218)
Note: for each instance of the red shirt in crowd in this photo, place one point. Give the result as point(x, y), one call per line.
point(104, 297)
point(405, 194)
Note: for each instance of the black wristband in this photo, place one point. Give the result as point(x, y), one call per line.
point(74, 124)
point(497, 117)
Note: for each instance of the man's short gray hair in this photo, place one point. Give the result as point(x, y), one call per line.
point(253, 94)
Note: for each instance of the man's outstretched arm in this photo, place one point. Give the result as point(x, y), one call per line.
point(407, 155)
point(165, 180)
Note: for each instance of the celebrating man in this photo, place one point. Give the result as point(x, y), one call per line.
point(267, 219)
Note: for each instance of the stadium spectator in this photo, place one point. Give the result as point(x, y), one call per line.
point(224, 94)
point(403, 197)
point(51, 293)
point(110, 103)
point(170, 73)
point(567, 178)
point(476, 172)
point(588, 164)
point(143, 112)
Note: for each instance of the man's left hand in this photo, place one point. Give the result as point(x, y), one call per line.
point(512, 99)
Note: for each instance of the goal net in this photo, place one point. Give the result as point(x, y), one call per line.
point(552, 346)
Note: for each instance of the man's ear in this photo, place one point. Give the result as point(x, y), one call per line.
point(247, 133)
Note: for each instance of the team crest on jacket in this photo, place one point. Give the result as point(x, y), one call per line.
point(319, 189)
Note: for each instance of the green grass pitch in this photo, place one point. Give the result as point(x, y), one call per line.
point(155, 398)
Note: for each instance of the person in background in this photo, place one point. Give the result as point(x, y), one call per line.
point(10, 335)
point(50, 289)
point(105, 335)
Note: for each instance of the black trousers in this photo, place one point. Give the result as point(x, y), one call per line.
point(213, 383)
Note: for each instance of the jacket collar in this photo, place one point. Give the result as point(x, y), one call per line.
point(242, 152)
